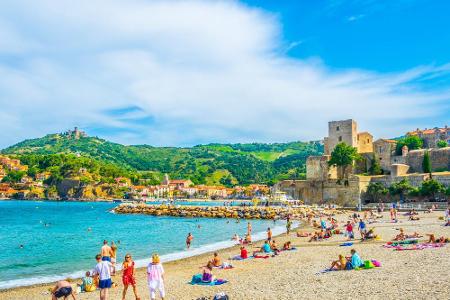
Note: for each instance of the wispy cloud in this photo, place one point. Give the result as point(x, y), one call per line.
point(355, 17)
point(183, 73)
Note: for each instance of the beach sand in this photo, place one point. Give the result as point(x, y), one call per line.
point(293, 274)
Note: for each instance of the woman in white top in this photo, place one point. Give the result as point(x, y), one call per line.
point(155, 277)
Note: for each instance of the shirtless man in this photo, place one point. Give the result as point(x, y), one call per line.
point(269, 234)
point(249, 228)
point(106, 251)
point(62, 289)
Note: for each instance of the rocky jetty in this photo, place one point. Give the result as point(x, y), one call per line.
point(223, 211)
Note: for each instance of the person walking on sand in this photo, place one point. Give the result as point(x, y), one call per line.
point(155, 277)
point(106, 251)
point(113, 257)
point(128, 276)
point(103, 271)
point(189, 239)
point(269, 234)
point(62, 289)
point(249, 228)
point(288, 226)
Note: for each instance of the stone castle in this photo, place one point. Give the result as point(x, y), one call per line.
point(322, 184)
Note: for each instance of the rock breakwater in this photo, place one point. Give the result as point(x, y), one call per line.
point(223, 211)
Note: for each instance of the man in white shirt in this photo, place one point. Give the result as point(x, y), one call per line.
point(103, 271)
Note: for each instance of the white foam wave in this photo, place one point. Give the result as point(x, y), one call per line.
point(142, 262)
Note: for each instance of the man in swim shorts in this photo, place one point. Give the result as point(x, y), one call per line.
point(189, 239)
point(106, 251)
point(62, 289)
point(103, 271)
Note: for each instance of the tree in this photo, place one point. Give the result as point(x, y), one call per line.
point(426, 163)
point(400, 188)
point(376, 190)
point(412, 142)
point(442, 144)
point(375, 168)
point(13, 176)
point(342, 157)
point(431, 187)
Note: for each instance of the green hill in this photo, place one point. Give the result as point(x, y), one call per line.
point(226, 164)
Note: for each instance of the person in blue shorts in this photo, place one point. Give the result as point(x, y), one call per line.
point(103, 271)
point(62, 289)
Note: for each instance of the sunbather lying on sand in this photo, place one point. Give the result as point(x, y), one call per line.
point(432, 239)
point(370, 235)
point(402, 236)
point(303, 234)
point(287, 246)
point(318, 235)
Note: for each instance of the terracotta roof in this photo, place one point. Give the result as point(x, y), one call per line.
point(427, 131)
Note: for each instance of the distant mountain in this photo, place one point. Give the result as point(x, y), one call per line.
point(226, 164)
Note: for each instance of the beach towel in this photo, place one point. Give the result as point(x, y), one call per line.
point(417, 247)
point(261, 256)
point(197, 280)
point(346, 244)
point(238, 257)
point(292, 249)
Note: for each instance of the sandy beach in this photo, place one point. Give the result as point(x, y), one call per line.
point(293, 274)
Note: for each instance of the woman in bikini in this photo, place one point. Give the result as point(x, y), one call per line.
point(338, 264)
point(128, 276)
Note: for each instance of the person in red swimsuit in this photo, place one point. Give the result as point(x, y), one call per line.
point(128, 276)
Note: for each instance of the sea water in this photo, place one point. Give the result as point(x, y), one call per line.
point(61, 239)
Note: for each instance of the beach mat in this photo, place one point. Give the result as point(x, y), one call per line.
point(197, 280)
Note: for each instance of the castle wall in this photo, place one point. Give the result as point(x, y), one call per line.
point(383, 150)
point(317, 168)
point(440, 159)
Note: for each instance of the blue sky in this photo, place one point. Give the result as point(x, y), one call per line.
point(179, 73)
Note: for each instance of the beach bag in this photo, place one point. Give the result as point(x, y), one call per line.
point(90, 288)
point(221, 296)
point(376, 263)
point(368, 264)
point(196, 279)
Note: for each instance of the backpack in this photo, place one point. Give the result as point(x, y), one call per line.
point(221, 296)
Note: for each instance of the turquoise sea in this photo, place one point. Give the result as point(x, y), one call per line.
point(57, 243)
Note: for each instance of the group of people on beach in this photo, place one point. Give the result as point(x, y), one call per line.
point(101, 276)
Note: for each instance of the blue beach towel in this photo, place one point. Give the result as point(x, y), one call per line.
point(347, 244)
point(197, 280)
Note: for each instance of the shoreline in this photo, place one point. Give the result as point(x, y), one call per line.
point(204, 250)
point(297, 274)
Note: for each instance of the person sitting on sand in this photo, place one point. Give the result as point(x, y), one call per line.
point(401, 236)
point(155, 277)
point(318, 236)
point(338, 264)
point(62, 289)
point(216, 261)
point(244, 253)
point(355, 260)
point(287, 246)
point(274, 247)
point(413, 218)
point(328, 233)
point(207, 275)
point(302, 234)
point(264, 249)
point(369, 235)
point(432, 239)
point(87, 284)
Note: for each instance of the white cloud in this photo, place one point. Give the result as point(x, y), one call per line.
point(200, 71)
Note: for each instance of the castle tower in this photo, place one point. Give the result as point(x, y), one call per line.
point(341, 131)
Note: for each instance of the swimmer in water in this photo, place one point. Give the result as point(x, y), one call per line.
point(21, 246)
point(89, 229)
point(198, 226)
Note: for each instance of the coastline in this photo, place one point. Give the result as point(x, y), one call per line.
point(203, 250)
point(293, 274)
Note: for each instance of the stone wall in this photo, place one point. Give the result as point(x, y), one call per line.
point(365, 142)
point(317, 168)
point(341, 131)
point(383, 150)
point(440, 159)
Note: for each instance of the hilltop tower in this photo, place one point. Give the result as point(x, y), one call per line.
point(341, 131)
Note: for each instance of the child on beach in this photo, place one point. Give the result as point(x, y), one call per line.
point(128, 276)
point(88, 283)
point(155, 277)
point(103, 271)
